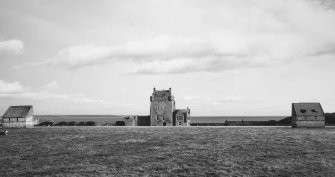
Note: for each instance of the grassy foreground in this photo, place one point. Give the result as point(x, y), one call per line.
point(163, 151)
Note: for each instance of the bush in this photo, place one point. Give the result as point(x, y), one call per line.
point(72, 123)
point(285, 121)
point(330, 118)
point(46, 123)
point(90, 123)
point(63, 123)
point(272, 122)
point(226, 123)
point(120, 123)
point(82, 123)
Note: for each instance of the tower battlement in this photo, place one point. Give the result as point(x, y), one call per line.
point(161, 95)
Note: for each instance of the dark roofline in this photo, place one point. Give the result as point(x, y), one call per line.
point(29, 107)
point(22, 106)
point(297, 107)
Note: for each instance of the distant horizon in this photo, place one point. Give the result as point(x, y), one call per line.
point(194, 119)
point(149, 115)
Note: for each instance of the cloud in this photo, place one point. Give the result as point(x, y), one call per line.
point(13, 46)
point(15, 90)
point(51, 86)
point(210, 64)
point(48, 96)
point(330, 50)
point(231, 35)
point(328, 3)
point(163, 47)
point(212, 101)
point(9, 88)
point(166, 53)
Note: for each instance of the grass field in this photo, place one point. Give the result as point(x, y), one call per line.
point(168, 151)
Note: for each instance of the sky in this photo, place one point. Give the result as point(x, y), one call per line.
point(220, 57)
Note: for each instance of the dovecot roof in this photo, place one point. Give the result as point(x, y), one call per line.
point(17, 111)
point(304, 109)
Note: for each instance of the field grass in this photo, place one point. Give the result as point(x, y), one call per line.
point(168, 151)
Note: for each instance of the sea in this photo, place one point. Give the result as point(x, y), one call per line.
point(101, 119)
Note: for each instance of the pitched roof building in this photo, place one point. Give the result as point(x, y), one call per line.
point(19, 117)
point(307, 115)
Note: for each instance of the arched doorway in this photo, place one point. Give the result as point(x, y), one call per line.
point(164, 123)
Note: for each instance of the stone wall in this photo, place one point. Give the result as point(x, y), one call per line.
point(308, 122)
point(143, 120)
point(14, 124)
point(130, 121)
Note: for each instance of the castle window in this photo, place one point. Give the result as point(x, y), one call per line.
point(156, 117)
point(179, 117)
point(314, 111)
point(179, 123)
point(163, 117)
point(303, 110)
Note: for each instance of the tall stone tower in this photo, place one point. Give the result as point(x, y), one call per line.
point(162, 105)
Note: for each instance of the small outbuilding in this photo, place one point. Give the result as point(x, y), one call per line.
point(19, 117)
point(307, 115)
point(181, 117)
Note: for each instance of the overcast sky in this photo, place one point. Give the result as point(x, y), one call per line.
point(220, 57)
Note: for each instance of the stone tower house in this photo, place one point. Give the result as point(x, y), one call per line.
point(162, 105)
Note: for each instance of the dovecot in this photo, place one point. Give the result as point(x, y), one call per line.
point(19, 117)
point(307, 115)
